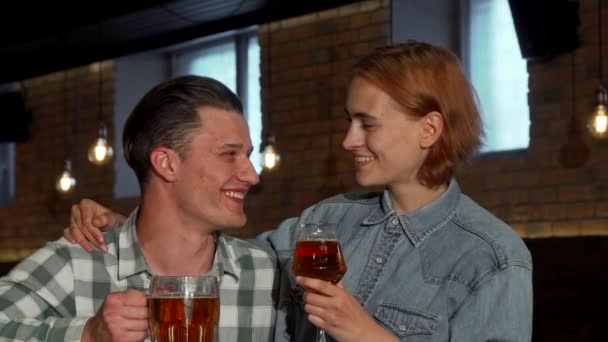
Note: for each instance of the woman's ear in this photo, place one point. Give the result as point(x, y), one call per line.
point(164, 163)
point(432, 127)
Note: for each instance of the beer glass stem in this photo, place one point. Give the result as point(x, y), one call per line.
point(320, 335)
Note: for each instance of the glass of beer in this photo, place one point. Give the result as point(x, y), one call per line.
point(318, 255)
point(184, 309)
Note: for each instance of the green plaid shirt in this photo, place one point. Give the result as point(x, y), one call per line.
point(51, 294)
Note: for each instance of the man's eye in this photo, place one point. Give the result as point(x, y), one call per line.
point(230, 153)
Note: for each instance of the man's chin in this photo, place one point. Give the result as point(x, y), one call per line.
point(235, 224)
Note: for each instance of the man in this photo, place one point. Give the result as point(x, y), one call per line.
point(189, 145)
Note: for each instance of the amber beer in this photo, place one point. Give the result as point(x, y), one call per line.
point(320, 259)
point(183, 319)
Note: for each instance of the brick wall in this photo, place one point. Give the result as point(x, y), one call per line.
point(305, 69)
point(40, 213)
point(530, 189)
point(306, 63)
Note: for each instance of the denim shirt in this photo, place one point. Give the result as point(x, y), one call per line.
point(450, 271)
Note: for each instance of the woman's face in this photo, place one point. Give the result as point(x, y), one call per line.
point(386, 142)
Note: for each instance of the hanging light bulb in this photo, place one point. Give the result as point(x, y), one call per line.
point(598, 121)
point(270, 155)
point(101, 152)
point(66, 182)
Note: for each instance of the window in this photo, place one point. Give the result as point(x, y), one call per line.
point(7, 165)
point(236, 63)
point(232, 58)
point(498, 73)
point(7, 174)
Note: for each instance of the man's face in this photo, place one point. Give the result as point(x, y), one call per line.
point(214, 178)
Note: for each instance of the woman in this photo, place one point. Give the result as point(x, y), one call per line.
point(425, 262)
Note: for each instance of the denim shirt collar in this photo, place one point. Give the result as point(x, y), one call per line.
point(421, 223)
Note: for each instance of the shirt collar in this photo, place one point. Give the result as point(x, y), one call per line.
point(131, 258)
point(225, 261)
point(419, 224)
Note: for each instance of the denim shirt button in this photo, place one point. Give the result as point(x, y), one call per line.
point(379, 260)
point(402, 328)
point(395, 222)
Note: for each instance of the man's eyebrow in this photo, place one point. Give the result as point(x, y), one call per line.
point(234, 146)
point(229, 146)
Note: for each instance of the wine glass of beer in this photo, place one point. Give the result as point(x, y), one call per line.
point(184, 309)
point(318, 255)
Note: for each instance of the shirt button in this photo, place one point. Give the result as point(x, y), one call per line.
point(402, 328)
point(379, 260)
point(395, 222)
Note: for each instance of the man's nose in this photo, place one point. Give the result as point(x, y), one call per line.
point(248, 174)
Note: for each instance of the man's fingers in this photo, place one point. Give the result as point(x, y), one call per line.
point(135, 335)
point(133, 298)
point(135, 312)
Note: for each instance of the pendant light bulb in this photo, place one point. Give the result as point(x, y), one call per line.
point(270, 155)
point(101, 152)
point(598, 121)
point(66, 182)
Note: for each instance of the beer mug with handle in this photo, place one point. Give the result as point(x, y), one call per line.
point(184, 308)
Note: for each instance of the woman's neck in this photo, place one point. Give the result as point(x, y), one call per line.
point(407, 198)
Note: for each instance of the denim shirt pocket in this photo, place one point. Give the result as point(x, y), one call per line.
point(404, 321)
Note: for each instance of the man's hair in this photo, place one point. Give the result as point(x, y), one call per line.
point(422, 78)
point(168, 116)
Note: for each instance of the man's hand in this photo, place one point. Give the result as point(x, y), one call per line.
point(123, 317)
point(336, 311)
point(87, 219)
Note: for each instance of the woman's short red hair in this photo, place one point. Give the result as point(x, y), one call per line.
point(423, 78)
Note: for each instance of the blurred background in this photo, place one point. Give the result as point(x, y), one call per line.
point(71, 71)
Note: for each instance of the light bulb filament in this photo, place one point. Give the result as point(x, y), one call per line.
point(600, 122)
point(270, 158)
point(65, 183)
point(100, 152)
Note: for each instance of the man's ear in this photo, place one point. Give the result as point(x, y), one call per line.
point(164, 162)
point(432, 127)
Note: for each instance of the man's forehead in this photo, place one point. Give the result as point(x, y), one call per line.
point(224, 128)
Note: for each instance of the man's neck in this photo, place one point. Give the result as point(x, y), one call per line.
point(171, 244)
